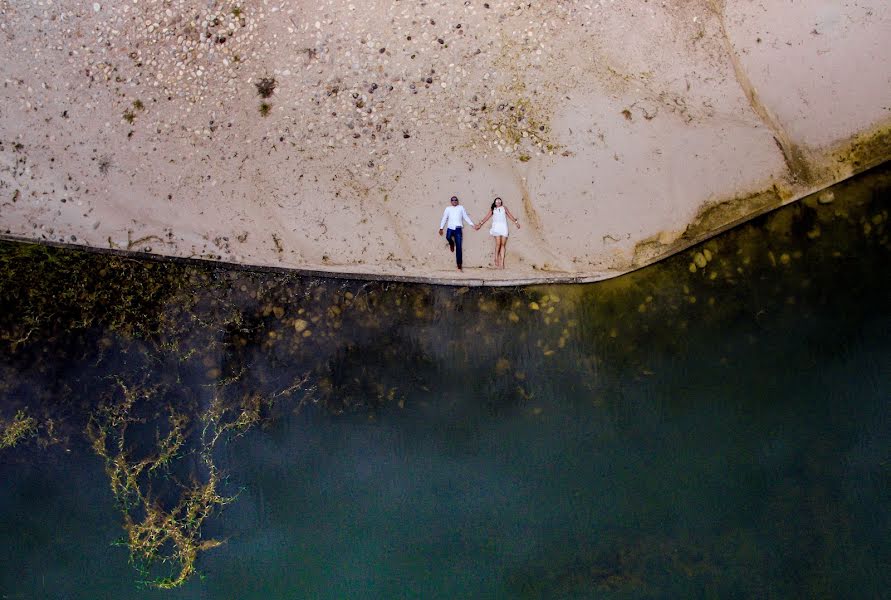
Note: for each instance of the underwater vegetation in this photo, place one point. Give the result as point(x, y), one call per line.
point(155, 366)
point(19, 428)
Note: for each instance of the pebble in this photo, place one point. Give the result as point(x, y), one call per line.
point(699, 259)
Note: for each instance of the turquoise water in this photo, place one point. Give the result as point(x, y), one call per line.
point(716, 431)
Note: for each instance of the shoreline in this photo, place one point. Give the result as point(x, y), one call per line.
point(468, 278)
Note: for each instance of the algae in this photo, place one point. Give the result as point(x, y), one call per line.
point(862, 151)
point(711, 219)
point(19, 428)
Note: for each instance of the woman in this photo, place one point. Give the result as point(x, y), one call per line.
point(499, 214)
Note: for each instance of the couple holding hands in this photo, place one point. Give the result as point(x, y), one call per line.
point(455, 215)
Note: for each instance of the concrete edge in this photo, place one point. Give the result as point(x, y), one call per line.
point(348, 275)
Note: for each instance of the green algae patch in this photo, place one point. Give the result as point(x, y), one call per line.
point(56, 291)
point(19, 428)
point(163, 516)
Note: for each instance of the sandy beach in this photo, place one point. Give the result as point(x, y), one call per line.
point(328, 136)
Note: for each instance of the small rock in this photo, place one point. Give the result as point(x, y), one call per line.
point(699, 259)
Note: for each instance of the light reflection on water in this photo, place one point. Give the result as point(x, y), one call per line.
point(719, 430)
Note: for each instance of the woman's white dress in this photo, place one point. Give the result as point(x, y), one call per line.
point(499, 222)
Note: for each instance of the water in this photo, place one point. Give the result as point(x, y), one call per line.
point(718, 431)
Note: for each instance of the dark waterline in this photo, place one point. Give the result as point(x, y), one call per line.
point(716, 425)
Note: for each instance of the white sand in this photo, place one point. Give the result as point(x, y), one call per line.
point(603, 125)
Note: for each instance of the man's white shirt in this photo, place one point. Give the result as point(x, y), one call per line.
point(453, 216)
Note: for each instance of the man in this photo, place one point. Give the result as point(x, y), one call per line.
point(452, 219)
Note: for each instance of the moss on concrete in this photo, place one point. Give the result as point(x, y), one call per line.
point(862, 151)
point(712, 218)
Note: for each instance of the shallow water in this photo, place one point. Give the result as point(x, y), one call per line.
point(719, 430)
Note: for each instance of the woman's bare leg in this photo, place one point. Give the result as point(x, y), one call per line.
point(495, 255)
point(502, 246)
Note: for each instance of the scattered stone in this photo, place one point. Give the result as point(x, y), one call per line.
point(700, 260)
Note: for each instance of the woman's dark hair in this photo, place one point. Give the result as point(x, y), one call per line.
point(493, 202)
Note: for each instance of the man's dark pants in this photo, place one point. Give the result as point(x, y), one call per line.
point(453, 236)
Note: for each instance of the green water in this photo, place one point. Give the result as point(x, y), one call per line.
point(720, 430)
